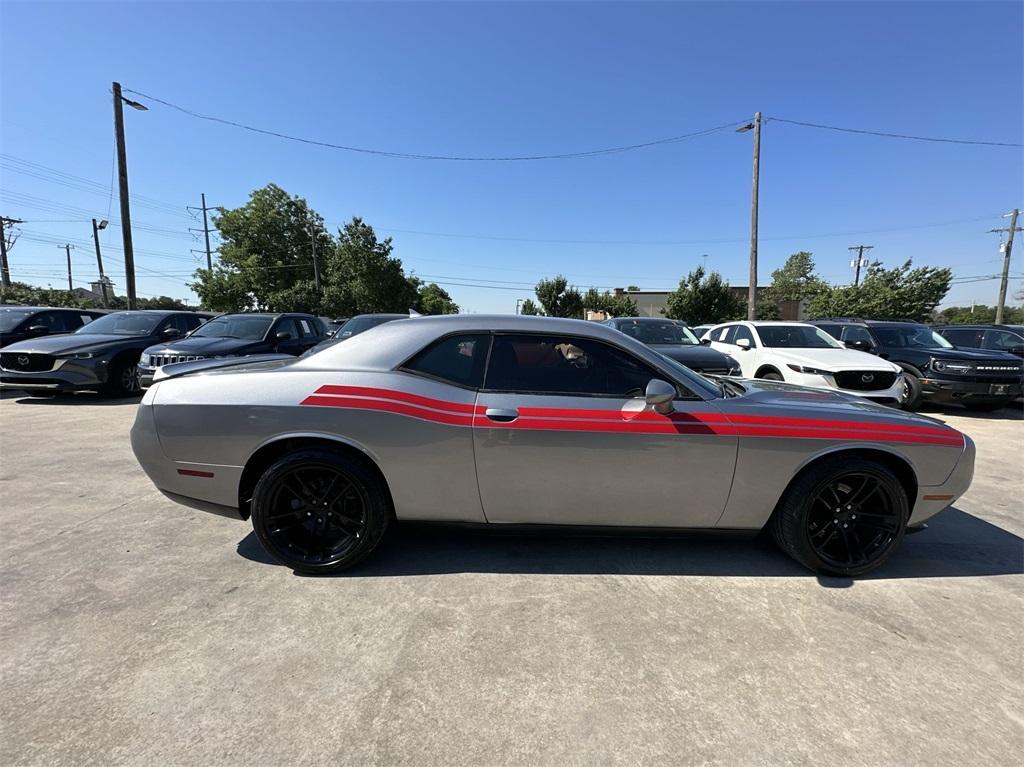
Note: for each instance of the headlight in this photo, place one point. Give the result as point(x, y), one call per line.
point(76, 356)
point(809, 371)
point(144, 360)
point(952, 367)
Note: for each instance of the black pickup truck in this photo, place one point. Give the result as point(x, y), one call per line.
point(934, 369)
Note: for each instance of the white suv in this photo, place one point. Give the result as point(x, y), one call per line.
point(799, 353)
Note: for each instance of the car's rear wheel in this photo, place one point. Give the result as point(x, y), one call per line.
point(842, 517)
point(319, 512)
point(771, 375)
point(123, 380)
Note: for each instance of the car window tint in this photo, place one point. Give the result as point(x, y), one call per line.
point(728, 334)
point(286, 325)
point(835, 331)
point(457, 359)
point(1003, 340)
point(565, 365)
point(742, 332)
point(52, 321)
point(969, 337)
point(83, 319)
point(854, 333)
point(306, 328)
point(192, 321)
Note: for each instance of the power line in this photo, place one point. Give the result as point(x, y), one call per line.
point(893, 135)
point(414, 156)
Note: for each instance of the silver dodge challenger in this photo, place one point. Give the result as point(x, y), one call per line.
point(510, 420)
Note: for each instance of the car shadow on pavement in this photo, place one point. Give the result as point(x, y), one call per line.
point(955, 544)
point(82, 398)
point(1014, 412)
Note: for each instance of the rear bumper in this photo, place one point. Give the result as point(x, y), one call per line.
point(931, 499)
point(941, 390)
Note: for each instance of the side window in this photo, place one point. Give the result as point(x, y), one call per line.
point(718, 334)
point(835, 331)
point(306, 328)
point(286, 325)
point(190, 322)
point(728, 335)
point(855, 333)
point(85, 319)
point(1003, 340)
point(53, 321)
point(564, 365)
point(742, 332)
point(456, 359)
point(967, 337)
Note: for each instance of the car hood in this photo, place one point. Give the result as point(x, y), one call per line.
point(974, 355)
point(73, 342)
point(209, 347)
point(762, 395)
point(699, 356)
point(832, 360)
point(214, 367)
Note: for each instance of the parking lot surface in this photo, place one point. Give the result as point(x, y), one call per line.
point(135, 631)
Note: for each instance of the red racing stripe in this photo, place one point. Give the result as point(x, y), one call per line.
point(400, 396)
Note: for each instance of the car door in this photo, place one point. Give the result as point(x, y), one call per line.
point(563, 435)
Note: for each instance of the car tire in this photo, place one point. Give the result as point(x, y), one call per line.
point(824, 537)
point(771, 375)
point(911, 391)
point(123, 380)
point(319, 512)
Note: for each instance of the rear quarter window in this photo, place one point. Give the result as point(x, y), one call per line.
point(457, 360)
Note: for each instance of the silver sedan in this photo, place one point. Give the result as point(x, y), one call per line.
point(506, 420)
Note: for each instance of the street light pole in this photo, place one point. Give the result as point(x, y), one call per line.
point(99, 259)
point(122, 181)
point(752, 288)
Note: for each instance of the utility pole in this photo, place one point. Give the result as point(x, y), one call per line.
point(99, 259)
point(5, 268)
point(859, 262)
point(122, 182)
point(67, 249)
point(752, 288)
point(1007, 248)
point(316, 264)
point(206, 232)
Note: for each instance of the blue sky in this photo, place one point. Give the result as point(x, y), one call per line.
point(514, 79)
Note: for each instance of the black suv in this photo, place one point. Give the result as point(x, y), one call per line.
point(1000, 338)
point(236, 335)
point(676, 341)
point(20, 322)
point(100, 356)
point(934, 369)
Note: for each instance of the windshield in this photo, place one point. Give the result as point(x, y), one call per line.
point(123, 324)
point(357, 325)
point(690, 378)
point(10, 319)
point(796, 337)
point(658, 332)
point(235, 326)
point(910, 337)
point(321, 346)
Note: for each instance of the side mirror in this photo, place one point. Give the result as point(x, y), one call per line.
point(705, 342)
point(744, 344)
point(170, 333)
point(861, 346)
point(284, 335)
point(39, 330)
point(659, 395)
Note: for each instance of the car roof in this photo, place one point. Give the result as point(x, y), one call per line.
point(388, 345)
point(396, 315)
point(16, 308)
point(1014, 328)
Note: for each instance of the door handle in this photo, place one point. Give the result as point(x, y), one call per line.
point(502, 414)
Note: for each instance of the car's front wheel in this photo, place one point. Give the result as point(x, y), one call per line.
point(842, 517)
point(123, 379)
point(319, 512)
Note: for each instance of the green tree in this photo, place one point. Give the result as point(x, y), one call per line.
point(612, 305)
point(902, 292)
point(979, 314)
point(433, 299)
point(361, 276)
point(529, 307)
point(266, 254)
point(700, 299)
point(559, 299)
point(795, 280)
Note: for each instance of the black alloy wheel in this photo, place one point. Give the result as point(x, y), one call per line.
point(842, 517)
point(911, 399)
point(123, 380)
point(317, 511)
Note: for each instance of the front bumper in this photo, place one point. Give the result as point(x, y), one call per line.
point(146, 376)
point(67, 375)
point(946, 390)
point(890, 396)
point(931, 499)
